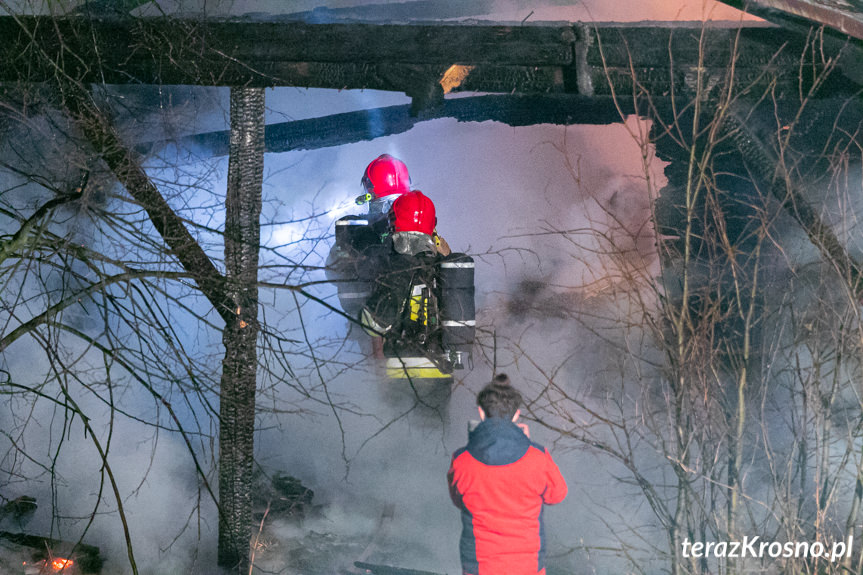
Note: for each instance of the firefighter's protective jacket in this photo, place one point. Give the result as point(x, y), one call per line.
point(500, 481)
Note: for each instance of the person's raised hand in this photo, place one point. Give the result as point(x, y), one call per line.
point(522, 426)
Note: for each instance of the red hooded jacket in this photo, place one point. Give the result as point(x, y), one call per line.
point(500, 481)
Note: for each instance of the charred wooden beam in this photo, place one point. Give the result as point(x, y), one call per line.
point(789, 191)
point(593, 59)
point(838, 26)
point(660, 60)
point(844, 17)
point(751, 160)
point(263, 53)
point(366, 125)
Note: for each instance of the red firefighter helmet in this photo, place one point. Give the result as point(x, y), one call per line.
point(413, 212)
point(386, 175)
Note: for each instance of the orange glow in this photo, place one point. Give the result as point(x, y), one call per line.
point(60, 564)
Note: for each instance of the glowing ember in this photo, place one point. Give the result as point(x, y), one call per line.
point(61, 564)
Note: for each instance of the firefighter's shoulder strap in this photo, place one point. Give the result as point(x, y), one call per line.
point(441, 245)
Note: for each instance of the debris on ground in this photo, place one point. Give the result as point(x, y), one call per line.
point(375, 569)
point(38, 555)
point(281, 497)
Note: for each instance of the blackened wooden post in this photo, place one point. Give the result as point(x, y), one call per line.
point(239, 366)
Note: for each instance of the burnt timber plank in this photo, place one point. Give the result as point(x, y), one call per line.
point(585, 59)
point(666, 59)
point(123, 50)
point(844, 17)
point(366, 125)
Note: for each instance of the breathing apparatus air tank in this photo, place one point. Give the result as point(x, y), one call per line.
point(353, 263)
point(457, 312)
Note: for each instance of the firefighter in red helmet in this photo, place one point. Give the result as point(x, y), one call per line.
point(384, 180)
point(414, 212)
point(361, 250)
point(412, 221)
point(412, 226)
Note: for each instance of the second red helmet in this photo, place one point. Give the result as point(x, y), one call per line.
point(386, 175)
point(413, 212)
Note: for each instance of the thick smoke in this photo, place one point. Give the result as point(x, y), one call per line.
point(512, 196)
point(494, 186)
